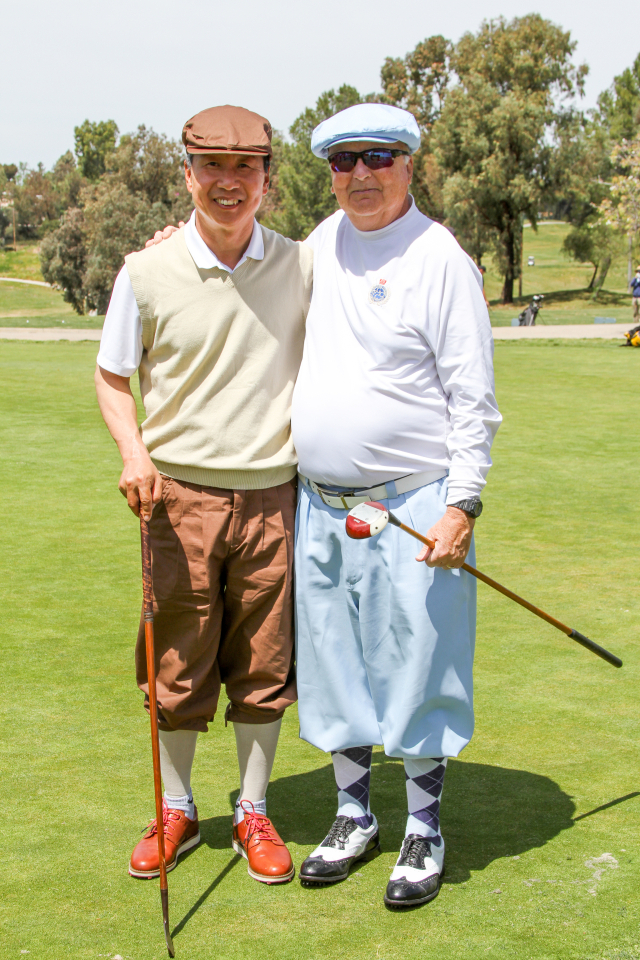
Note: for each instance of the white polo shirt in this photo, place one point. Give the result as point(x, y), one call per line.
point(397, 370)
point(121, 341)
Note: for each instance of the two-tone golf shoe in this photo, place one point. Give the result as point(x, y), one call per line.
point(180, 835)
point(417, 874)
point(345, 843)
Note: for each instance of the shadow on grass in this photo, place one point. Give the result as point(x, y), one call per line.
point(608, 298)
point(487, 812)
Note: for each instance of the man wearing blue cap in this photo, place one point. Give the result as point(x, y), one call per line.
point(394, 402)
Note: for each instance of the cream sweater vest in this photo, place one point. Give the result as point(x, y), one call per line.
point(220, 360)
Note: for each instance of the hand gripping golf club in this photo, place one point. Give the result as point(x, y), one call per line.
point(147, 593)
point(369, 519)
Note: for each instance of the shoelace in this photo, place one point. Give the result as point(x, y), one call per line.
point(415, 850)
point(169, 817)
point(338, 832)
point(258, 826)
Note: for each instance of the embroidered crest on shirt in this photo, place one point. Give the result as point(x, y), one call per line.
point(379, 293)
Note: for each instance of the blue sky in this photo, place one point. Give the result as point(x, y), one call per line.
point(160, 62)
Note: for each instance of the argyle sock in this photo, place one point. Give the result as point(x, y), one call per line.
point(352, 769)
point(425, 778)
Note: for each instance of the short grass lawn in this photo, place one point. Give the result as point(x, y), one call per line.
point(24, 305)
point(23, 262)
point(540, 813)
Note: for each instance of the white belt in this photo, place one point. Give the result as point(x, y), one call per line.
point(384, 491)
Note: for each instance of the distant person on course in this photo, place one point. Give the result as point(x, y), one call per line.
point(213, 322)
point(394, 402)
point(635, 293)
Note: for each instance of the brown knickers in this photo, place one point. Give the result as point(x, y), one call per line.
point(223, 603)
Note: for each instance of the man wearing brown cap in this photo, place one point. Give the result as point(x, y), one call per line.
point(213, 320)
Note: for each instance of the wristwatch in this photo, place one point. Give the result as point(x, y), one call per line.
point(473, 506)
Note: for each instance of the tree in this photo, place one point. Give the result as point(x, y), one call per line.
point(418, 83)
point(93, 143)
point(621, 209)
point(63, 255)
point(67, 181)
point(494, 140)
point(619, 106)
point(302, 195)
point(593, 242)
point(35, 202)
point(584, 162)
point(150, 165)
point(116, 221)
point(141, 190)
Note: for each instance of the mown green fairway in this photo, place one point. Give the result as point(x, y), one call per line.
point(540, 813)
point(23, 262)
point(24, 305)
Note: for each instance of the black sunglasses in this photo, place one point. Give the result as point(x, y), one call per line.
point(346, 160)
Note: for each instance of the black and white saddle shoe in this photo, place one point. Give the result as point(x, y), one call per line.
point(345, 843)
point(417, 874)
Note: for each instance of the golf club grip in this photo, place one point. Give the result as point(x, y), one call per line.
point(573, 634)
point(595, 648)
point(147, 582)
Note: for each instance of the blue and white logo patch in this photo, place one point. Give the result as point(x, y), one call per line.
point(379, 293)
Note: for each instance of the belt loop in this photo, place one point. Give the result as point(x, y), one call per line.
point(390, 486)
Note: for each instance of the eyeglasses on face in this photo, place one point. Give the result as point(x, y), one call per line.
point(377, 159)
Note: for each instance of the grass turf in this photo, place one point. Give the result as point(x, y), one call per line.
point(22, 305)
point(547, 788)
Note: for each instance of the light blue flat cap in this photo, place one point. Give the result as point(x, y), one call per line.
point(377, 122)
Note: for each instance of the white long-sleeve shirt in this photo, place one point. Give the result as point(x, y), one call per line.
point(397, 371)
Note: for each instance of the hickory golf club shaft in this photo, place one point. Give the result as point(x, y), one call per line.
point(147, 593)
point(573, 634)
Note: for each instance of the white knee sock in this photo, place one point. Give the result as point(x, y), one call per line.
point(256, 744)
point(177, 749)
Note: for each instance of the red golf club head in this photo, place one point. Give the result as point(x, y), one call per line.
point(366, 520)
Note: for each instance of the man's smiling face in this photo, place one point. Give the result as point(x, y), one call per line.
point(373, 198)
point(227, 188)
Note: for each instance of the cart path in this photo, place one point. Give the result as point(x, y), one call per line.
point(35, 283)
point(570, 331)
point(48, 333)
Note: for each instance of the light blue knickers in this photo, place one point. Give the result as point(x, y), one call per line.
point(384, 644)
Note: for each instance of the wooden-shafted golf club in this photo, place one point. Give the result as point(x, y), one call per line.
point(370, 519)
point(147, 593)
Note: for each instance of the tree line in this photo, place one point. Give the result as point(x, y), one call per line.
point(503, 140)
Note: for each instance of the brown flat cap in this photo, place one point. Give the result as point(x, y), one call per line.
point(227, 130)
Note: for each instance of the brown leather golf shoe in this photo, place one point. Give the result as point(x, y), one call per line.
point(256, 839)
point(180, 835)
